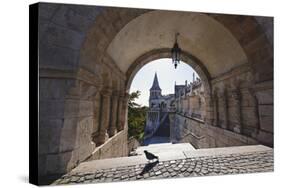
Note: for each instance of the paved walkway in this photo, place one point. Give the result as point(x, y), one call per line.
point(156, 140)
point(168, 148)
point(202, 162)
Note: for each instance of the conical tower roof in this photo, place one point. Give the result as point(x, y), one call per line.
point(155, 85)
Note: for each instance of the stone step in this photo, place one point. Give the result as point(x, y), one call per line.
point(219, 161)
point(163, 148)
point(227, 151)
point(91, 166)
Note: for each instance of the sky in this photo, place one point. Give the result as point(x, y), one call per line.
point(167, 75)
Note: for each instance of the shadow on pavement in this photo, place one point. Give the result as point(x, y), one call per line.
point(148, 167)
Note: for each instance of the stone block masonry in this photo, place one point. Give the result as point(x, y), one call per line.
point(115, 146)
point(224, 162)
point(81, 55)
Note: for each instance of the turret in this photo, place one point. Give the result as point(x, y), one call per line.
point(155, 90)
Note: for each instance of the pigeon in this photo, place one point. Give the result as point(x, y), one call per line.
point(150, 156)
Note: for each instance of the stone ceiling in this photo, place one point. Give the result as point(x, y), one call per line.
point(200, 35)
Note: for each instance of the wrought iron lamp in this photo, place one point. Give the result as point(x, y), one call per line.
point(176, 52)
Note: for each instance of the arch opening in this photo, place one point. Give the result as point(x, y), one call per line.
point(89, 78)
point(164, 92)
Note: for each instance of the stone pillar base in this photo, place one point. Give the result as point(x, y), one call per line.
point(101, 138)
point(120, 127)
point(112, 132)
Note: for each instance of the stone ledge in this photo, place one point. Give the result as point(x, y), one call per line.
point(100, 151)
point(81, 74)
point(227, 150)
point(220, 161)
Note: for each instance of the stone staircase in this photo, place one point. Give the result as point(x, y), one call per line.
point(175, 160)
point(165, 149)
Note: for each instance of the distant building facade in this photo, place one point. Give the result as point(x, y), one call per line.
point(187, 99)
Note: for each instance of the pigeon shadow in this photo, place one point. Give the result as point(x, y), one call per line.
point(148, 167)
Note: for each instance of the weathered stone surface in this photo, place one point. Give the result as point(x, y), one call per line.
point(46, 10)
point(266, 117)
point(56, 57)
point(49, 141)
point(69, 18)
point(90, 12)
point(113, 123)
point(267, 24)
point(53, 88)
point(51, 109)
point(250, 162)
point(72, 37)
point(265, 137)
point(61, 36)
point(69, 134)
point(78, 108)
point(265, 97)
point(115, 146)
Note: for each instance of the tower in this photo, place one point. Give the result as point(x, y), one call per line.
point(155, 90)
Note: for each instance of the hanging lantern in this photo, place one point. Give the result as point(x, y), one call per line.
point(176, 52)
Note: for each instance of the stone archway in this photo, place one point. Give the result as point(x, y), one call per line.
point(186, 58)
point(236, 51)
point(166, 53)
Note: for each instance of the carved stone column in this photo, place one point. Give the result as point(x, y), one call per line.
point(209, 109)
point(237, 112)
point(119, 109)
point(105, 116)
point(256, 113)
point(216, 111)
point(224, 110)
point(113, 119)
point(123, 111)
point(96, 115)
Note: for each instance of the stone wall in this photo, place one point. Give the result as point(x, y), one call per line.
point(65, 93)
point(82, 93)
point(116, 146)
point(243, 106)
point(264, 96)
point(242, 113)
point(75, 117)
point(200, 135)
point(66, 124)
point(80, 108)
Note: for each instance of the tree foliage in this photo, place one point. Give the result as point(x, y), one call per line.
point(136, 117)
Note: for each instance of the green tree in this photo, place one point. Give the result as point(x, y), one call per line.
point(136, 117)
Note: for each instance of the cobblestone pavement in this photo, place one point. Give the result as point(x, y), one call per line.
point(196, 166)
